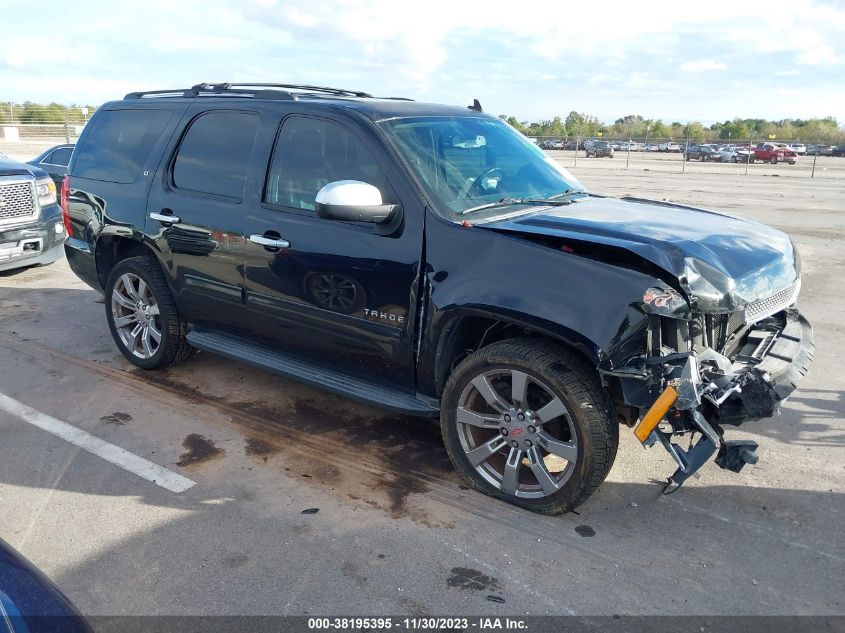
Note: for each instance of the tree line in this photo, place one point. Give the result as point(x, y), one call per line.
point(40, 113)
point(632, 126)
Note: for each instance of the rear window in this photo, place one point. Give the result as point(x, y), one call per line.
point(60, 157)
point(214, 154)
point(119, 143)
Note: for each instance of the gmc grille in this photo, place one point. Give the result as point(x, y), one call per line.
point(17, 200)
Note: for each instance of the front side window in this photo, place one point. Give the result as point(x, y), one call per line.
point(311, 153)
point(465, 162)
point(119, 143)
point(213, 157)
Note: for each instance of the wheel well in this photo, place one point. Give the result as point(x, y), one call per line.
point(469, 333)
point(112, 249)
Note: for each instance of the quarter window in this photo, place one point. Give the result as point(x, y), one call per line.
point(214, 154)
point(309, 154)
point(119, 143)
point(60, 157)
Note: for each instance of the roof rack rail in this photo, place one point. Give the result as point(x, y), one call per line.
point(256, 90)
point(305, 88)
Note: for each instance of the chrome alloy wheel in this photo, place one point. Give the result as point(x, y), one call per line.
point(517, 434)
point(136, 316)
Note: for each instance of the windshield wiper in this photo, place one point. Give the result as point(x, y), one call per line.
point(553, 201)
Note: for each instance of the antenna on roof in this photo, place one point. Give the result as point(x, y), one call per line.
point(475, 106)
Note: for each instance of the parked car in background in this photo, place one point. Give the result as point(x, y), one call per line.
point(54, 161)
point(701, 153)
point(631, 146)
point(839, 150)
point(31, 227)
point(819, 150)
point(774, 153)
point(599, 149)
point(30, 602)
point(799, 148)
point(734, 154)
point(670, 147)
point(651, 147)
point(616, 145)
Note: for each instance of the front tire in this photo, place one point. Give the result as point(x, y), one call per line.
point(527, 421)
point(142, 317)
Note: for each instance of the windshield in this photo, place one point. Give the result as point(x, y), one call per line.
point(466, 162)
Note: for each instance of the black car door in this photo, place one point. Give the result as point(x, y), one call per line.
point(337, 292)
point(195, 212)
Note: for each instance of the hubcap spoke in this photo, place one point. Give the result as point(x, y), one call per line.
point(544, 477)
point(155, 333)
point(121, 300)
point(510, 480)
point(566, 450)
point(154, 310)
point(123, 321)
point(552, 410)
point(142, 290)
point(485, 451)
point(519, 385)
point(129, 287)
point(465, 416)
point(488, 393)
point(146, 342)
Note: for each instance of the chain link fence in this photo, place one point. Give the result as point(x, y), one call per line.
point(28, 129)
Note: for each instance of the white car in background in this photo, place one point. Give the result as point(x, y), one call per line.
point(734, 154)
point(799, 148)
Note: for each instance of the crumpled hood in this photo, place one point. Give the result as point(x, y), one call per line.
point(723, 262)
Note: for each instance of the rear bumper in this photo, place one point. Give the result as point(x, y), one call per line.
point(779, 360)
point(34, 242)
point(80, 258)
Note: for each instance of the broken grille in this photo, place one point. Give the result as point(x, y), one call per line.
point(17, 200)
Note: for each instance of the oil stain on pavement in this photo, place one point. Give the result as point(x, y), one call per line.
point(472, 579)
point(197, 450)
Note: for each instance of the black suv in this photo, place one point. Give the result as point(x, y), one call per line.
point(31, 228)
point(431, 260)
point(598, 149)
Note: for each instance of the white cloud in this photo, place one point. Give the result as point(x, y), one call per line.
point(701, 65)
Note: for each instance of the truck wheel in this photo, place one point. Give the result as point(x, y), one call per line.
point(527, 421)
point(773, 160)
point(142, 317)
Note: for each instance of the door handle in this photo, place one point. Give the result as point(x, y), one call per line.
point(168, 217)
point(269, 242)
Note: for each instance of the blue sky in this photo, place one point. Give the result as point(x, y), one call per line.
point(663, 59)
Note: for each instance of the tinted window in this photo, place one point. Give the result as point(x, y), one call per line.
point(47, 160)
point(311, 153)
point(119, 143)
point(214, 154)
point(60, 157)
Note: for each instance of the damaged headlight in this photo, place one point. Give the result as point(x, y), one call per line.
point(666, 302)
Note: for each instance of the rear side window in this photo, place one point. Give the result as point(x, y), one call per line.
point(214, 154)
point(119, 143)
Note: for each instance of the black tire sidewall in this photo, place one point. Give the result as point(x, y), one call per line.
point(565, 497)
point(160, 357)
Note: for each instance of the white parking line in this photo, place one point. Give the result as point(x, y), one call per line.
point(128, 461)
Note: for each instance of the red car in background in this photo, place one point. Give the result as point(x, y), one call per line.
point(774, 153)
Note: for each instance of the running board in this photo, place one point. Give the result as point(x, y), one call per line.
point(279, 362)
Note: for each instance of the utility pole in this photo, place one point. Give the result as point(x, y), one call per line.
point(816, 153)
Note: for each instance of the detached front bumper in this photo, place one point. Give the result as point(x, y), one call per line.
point(710, 391)
point(778, 359)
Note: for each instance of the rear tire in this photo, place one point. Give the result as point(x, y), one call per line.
point(142, 317)
point(564, 446)
point(773, 160)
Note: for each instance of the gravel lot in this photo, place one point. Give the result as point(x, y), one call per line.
point(395, 532)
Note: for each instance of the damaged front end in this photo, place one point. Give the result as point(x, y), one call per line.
point(698, 371)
